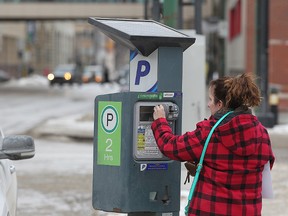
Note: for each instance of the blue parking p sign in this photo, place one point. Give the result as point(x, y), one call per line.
point(143, 69)
point(143, 72)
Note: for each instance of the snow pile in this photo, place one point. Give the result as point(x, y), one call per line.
point(33, 80)
point(279, 129)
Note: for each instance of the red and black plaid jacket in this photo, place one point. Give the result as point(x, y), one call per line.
point(230, 182)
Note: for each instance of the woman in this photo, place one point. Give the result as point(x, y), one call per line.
point(230, 182)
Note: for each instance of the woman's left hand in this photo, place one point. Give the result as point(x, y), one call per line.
point(158, 112)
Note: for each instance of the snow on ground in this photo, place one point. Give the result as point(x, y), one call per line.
point(73, 103)
point(33, 80)
point(280, 129)
point(41, 81)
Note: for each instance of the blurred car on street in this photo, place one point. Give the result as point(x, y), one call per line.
point(65, 73)
point(93, 73)
point(4, 76)
point(15, 147)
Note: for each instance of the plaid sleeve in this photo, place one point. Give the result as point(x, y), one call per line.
point(270, 152)
point(186, 147)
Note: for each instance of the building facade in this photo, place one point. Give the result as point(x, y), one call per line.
point(56, 32)
point(241, 42)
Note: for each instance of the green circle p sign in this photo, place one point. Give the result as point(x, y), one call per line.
point(109, 133)
point(109, 119)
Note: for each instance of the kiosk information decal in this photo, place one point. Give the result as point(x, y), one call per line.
point(109, 133)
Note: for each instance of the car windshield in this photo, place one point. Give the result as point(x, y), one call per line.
point(62, 69)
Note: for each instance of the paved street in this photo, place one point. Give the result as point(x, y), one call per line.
point(25, 106)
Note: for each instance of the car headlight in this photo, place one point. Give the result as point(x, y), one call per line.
point(98, 79)
point(85, 79)
point(50, 76)
point(67, 76)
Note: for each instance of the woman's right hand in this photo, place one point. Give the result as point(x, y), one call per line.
point(158, 112)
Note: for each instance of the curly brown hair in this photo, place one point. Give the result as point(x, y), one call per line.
point(238, 91)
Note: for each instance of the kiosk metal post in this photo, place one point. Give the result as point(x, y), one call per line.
point(130, 174)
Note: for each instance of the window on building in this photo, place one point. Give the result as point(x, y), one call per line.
point(235, 20)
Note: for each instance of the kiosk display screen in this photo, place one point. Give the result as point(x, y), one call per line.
point(146, 113)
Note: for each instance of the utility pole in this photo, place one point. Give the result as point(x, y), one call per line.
point(156, 10)
point(262, 46)
point(180, 14)
point(145, 9)
point(198, 16)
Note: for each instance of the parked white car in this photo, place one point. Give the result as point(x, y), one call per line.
point(16, 147)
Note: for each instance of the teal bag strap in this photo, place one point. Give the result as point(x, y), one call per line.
point(200, 164)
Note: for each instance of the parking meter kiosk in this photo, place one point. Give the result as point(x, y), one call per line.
point(130, 174)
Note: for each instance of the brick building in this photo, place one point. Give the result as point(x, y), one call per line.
point(241, 44)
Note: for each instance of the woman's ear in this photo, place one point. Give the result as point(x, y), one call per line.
point(220, 104)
